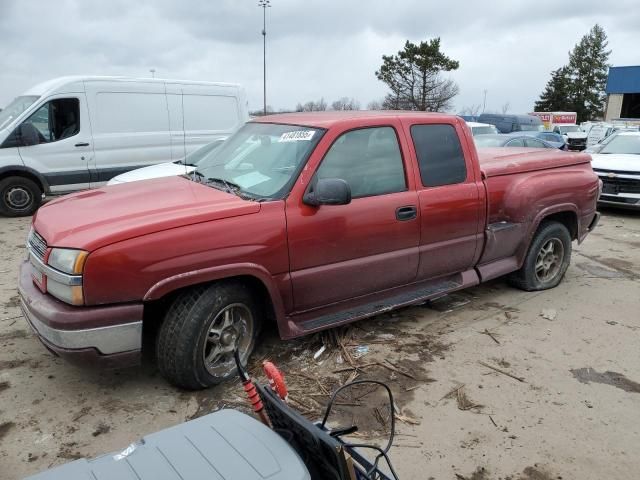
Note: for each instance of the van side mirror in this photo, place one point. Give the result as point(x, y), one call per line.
point(328, 191)
point(27, 135)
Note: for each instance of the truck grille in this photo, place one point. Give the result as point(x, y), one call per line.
point(620, 185)
point(37, 244)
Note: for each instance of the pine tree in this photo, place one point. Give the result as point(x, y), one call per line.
point(588, 65)
point(557, 93)
point(579, 86)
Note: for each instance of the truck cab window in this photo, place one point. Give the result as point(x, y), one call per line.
point(368, 159)
point(439, 155)
point(54, 121)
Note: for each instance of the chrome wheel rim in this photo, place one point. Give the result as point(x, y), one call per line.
point(17, 198)
point(549, 260)
point(231, 328)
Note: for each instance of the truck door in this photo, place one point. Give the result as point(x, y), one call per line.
point(56, 142)
point(450, 198)
point(338, 252)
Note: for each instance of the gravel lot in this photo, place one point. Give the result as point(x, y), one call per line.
point(573, 415)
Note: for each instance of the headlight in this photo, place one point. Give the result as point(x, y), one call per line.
point(72, 295)
point(67, 260)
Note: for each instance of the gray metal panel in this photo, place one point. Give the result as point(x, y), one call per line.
point(226, 445)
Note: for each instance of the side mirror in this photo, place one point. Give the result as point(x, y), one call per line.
point(328, 191)
point(27, 135)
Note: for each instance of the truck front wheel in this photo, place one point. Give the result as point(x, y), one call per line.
point(547, 260)
point(201, 330)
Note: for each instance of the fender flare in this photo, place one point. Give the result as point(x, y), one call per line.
point(210, 274)
point(23, 169)
point(540, 216)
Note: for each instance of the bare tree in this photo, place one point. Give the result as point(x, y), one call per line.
point(505, 107)
point(319, 106)
point(472, 110)
point(375, 105)
point(345, 103)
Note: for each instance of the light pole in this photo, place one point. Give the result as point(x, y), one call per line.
point(484, 103)
point(153, 72)
point(264, 4)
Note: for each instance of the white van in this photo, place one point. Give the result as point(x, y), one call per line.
point(74, 133)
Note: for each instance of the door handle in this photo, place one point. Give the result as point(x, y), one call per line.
point(82, 144)
point(406, 213)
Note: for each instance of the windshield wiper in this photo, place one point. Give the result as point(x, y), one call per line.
point(230, 187)
point(186, 164)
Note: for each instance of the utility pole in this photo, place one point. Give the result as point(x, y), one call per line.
point(484, 102)
point(264, 4)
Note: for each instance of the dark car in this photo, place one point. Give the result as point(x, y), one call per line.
point(551, 138)
point(512, 123)
point(506, 140)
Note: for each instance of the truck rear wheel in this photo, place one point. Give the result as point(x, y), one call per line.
point(19, 196)
point(547, 260)
point(201, 330)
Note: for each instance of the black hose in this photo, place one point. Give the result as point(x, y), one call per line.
point(383, 451)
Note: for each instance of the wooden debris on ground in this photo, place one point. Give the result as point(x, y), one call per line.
point(503, 372)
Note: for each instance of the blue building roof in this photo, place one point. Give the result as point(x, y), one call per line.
point(623, 80)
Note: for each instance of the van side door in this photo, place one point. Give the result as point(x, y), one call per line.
point(201, 114)
point(130, 123)
point(55, 140)
point(451, 198)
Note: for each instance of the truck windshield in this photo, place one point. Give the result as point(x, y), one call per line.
point(15, 108)
point(261, 160)
point(623, 144)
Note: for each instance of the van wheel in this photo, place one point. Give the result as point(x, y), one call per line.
point(19, 196)
point(203, 327)
point(547, 260)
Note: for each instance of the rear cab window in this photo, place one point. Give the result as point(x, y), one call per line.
point(440, 156)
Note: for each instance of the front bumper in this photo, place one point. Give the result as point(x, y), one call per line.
point(108, 336)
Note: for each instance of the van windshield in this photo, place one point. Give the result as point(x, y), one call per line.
point(260, 161)
point(15, 108)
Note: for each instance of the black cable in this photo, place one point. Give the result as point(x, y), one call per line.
point(383, 452)
point(244, 376)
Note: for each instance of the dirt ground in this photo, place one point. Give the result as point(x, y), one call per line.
point(490, 383)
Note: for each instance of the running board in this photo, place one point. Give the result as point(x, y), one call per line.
point(370, 305)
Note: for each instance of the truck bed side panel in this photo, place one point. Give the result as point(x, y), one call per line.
point(517, 204)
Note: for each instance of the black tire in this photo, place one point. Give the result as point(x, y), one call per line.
point(19, 196)
point(192, 324)
point(534, 274)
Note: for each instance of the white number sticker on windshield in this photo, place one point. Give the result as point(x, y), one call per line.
point(298, 135)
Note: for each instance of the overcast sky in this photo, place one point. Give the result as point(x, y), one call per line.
point(315, 48)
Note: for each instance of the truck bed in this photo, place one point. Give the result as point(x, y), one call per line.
point(508, 161)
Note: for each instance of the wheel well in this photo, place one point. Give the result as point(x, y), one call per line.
point(568, 219)
point(23, 174)
point(154, 311)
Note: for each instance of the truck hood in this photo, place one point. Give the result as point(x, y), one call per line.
point(153, 171)
point(617, 162)
point(96, 218)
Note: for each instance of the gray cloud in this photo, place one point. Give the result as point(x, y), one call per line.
point(314, 49)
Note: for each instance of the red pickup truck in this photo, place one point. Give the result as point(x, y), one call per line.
point(307, 220)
